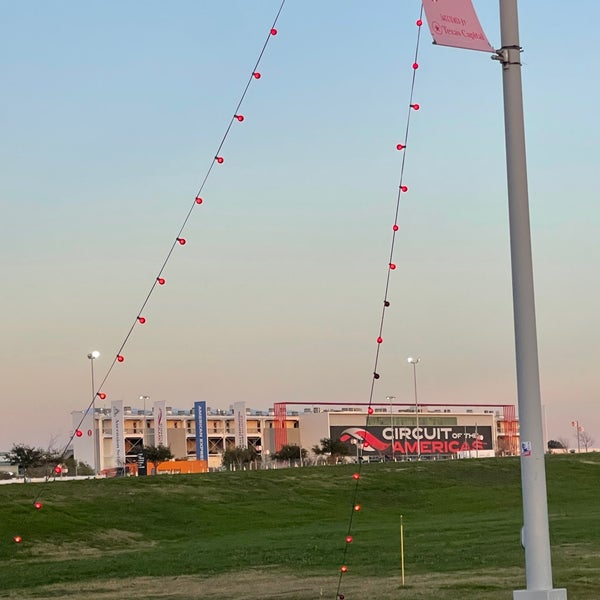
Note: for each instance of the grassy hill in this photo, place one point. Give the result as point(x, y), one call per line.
point(281, 534)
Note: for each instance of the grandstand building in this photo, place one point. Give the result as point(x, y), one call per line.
point(380, 431)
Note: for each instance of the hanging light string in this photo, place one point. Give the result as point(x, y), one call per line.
point(178, 240)
point(355, 507)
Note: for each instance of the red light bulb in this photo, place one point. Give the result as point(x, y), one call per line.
point(198, 200)
point(220, 159)
point(357, 507)
point(370, 409)
point(386, 303)
point(79, 433)
point(379, 340)
point(256, 75)
point(17, 539)
point(161, 280)
point(344, 568)
point(419, 23)
point(57, 469)
point(37, 505)
point(395, 227)
point(404, 188)
point(400, 147)
point(341, 596)
point(415, 66)
point(181, 241)
point(120, 357)
point(273, 31)
point(356, 476)
point(102, 395)
point(415, 106)
point(375, 376)
point(349, 539)
point(392, 266)
point(240, 118)
point(142, 320)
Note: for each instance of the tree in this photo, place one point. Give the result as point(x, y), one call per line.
point(30, 459)
point(239, 456)
point(586, 440)
point(157, 454)
point(555, 445)
point(334, 448)
point(289, 452)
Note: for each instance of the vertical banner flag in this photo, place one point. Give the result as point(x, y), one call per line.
point(241, 433)
point(160, 423)
point(118, 432)
point(201, 433)
point(455, 23)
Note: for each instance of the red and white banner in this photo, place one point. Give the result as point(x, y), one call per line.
point(455, 23)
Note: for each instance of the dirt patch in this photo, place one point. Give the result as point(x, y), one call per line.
point(262, 585)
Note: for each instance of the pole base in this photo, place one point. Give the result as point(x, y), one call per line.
point(560, 594)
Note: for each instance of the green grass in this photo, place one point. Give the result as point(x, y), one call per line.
point(462, 523)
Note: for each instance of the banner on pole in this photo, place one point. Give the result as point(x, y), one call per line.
point(241, 432)
point(201, 432)
point(160, 423)
point(455, 23)
point(118, 433)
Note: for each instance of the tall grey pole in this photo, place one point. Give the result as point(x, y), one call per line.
point(94, 429)
point(536, 537)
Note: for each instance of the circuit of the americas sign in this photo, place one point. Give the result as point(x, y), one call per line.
point(413, 440)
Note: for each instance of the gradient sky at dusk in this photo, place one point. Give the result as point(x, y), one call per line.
point(110, 114)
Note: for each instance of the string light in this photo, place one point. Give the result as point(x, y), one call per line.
point(197, 200)
point(37, 505)
point(17, 539)
point(392, 266)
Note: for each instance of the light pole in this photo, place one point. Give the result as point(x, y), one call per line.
point(578, 429)
point(390, 398)
point(144, 398)
point(93, 356)
point(414, 362)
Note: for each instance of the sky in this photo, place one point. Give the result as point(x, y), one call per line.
point(110, 116)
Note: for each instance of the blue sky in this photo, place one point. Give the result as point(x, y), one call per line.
point(110, 114)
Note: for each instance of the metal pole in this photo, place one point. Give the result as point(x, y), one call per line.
point(536, 537)
point(413, 362)
point(94, 428)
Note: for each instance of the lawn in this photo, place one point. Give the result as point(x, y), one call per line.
point(281, 534)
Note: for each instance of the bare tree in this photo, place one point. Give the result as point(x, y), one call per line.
point(564, 441)
point(586, 440)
